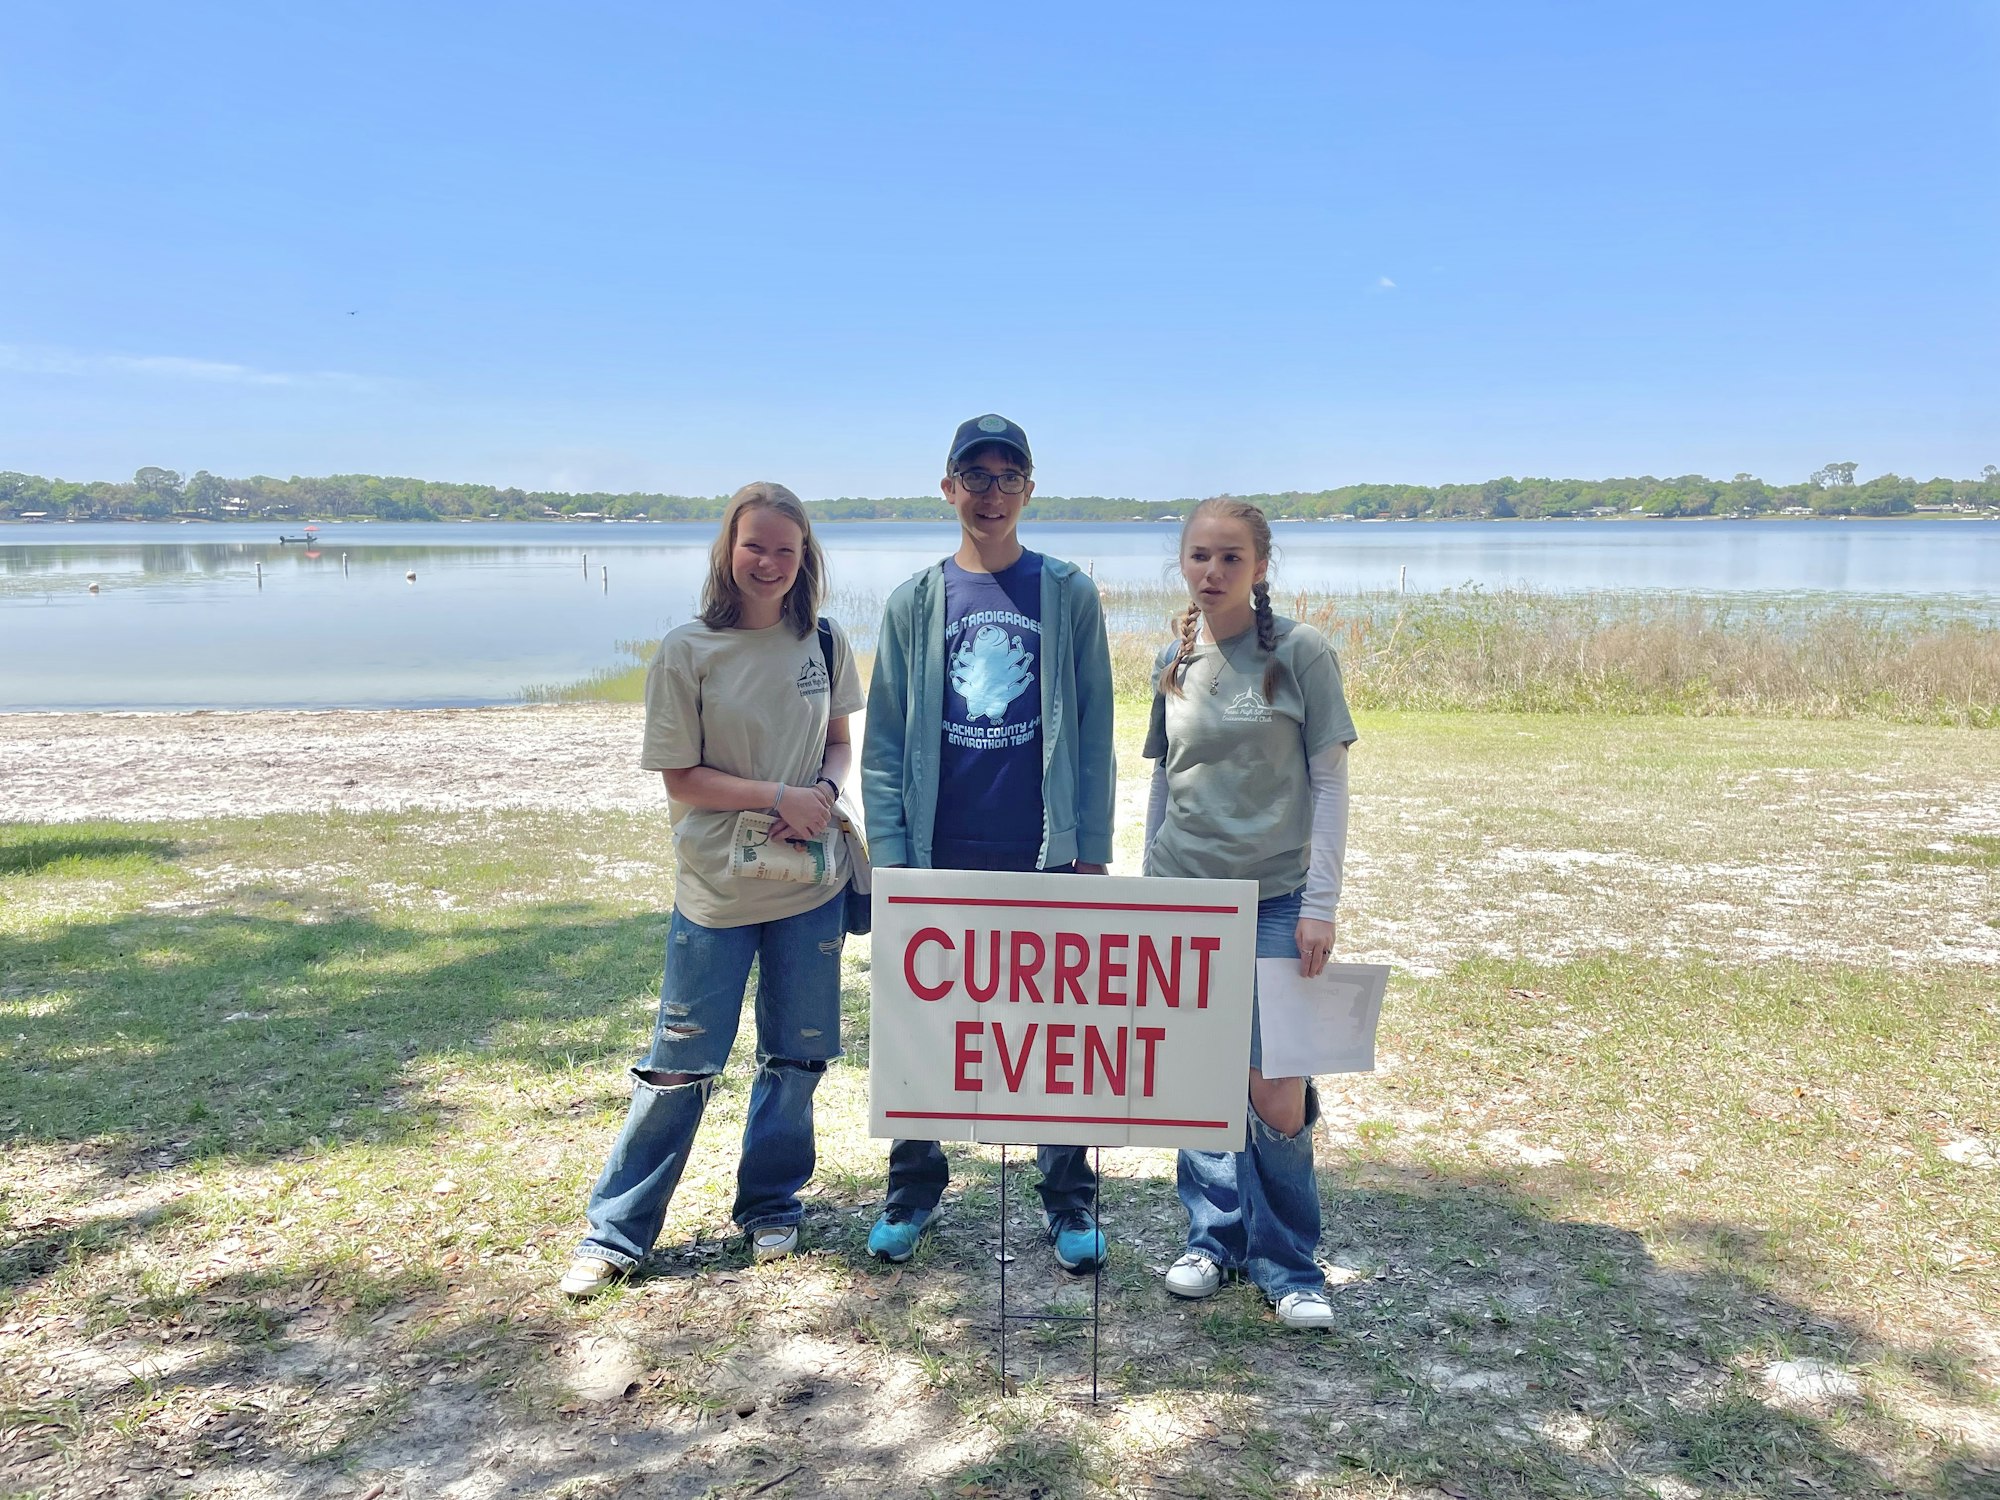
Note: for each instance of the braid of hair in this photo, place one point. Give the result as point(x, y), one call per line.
point(1170, 676)
point(1267, 633)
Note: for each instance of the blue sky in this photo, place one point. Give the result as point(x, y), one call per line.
point(1191, 248)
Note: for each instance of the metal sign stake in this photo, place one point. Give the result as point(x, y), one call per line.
point(1095, 1316)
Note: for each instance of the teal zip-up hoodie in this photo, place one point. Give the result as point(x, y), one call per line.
point(900, 751)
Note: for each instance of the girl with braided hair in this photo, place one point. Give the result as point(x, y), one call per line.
point(1248, 740)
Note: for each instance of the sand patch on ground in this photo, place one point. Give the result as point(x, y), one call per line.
point(65, 768)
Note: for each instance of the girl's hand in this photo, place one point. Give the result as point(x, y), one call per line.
point(804, 811)
point(1315, 940)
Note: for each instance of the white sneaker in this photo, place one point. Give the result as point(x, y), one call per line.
point(587, 1276)
point(1305, 1310)
point(774, 1242)
point(1194, 1275)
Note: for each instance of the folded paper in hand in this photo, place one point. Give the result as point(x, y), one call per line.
point(1323, 1025)
point(755, 855)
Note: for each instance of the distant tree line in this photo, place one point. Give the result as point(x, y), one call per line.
point(162, 494)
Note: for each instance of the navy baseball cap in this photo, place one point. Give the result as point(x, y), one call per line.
point(987, 429)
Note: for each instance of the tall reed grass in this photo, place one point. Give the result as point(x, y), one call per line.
point(1525, 652)
point(1520, 651)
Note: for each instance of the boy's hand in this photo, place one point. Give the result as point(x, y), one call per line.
point(1315, 940)
point(1084, 867)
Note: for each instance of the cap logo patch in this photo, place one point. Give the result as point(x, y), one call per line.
point(992, 424)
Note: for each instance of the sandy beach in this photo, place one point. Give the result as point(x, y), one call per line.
point(133, 766)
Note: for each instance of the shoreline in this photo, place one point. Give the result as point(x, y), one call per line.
point(1043, 520)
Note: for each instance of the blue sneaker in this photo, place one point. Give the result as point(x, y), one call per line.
point(1079, 1243)
point(895, 1235)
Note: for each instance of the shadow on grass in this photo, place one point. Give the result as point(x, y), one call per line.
point(255, 1371)
point(1486, 1349)
point(72, 850)
point(158, 1038)
point(32, 1249)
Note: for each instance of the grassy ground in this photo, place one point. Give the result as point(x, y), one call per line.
point(1688, 1079)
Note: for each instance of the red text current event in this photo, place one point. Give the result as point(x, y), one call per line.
point(1082, 1056)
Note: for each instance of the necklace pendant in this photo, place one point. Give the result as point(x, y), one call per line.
point(1215, 682)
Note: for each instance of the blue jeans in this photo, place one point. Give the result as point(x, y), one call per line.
point(701, 1002)
point(918, 1173)
point(1257, 1210)
point(918, 1170)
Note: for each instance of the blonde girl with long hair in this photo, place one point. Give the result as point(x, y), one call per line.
point(1249, 738)
point(746, 720)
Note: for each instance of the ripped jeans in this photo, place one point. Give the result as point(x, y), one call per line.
point(1257, 1210)
point(701, 1001)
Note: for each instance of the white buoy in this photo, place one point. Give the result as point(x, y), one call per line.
point(93, 588)
point(410, 577)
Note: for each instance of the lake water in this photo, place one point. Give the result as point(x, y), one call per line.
point(180, 619)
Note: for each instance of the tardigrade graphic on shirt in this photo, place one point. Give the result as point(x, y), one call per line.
point(1249, 705)
point(990, 670)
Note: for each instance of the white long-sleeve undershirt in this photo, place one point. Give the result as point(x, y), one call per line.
point(1327, 772)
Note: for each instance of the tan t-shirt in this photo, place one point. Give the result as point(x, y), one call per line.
point(753, 703)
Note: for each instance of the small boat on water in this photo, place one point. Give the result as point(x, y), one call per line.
point(311, 537)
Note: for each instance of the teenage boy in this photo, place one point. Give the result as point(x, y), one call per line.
point(988, 747)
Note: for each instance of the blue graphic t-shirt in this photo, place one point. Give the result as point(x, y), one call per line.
point(989, 813)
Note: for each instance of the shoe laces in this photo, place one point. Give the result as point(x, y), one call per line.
point(1071, 1221)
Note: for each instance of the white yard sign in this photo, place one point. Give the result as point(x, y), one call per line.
point(1061, 1009)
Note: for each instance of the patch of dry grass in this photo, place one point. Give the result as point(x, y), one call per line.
point(1524, 652)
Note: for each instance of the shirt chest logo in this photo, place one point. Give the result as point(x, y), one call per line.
point(1248, 707)
point(812, 678)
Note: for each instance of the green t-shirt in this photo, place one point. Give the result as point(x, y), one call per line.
point(1239, 800)
point(754, 703)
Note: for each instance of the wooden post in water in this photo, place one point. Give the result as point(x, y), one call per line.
point(1403, 579)
point(343, 565)
point(606, 572)
point(586, 565)
point(260, 575)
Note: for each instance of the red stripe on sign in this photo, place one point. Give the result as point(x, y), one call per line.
point(952, 1114)
point(1227, 911)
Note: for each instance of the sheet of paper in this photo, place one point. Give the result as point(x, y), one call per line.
point(1322, 1025)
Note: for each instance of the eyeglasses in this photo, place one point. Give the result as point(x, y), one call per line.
point(978, 481)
